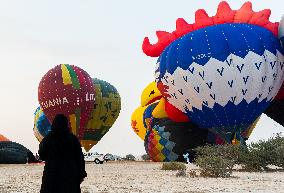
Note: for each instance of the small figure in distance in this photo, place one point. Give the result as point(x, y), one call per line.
point(64, 168)
point(189, 155)
point(186, 157)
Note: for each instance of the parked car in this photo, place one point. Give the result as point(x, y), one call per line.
point(109, 157)
point(94, 157)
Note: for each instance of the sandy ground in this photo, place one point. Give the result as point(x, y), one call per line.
point(141, 177)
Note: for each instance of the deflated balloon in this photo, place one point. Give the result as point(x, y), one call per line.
point(15, 153)
point(68, 90)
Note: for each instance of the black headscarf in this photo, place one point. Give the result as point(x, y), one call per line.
point(60, 124)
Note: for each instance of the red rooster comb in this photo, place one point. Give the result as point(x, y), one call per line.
point(224, 15)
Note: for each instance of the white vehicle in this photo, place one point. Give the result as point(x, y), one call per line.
point(109, 157)
point(94, 157)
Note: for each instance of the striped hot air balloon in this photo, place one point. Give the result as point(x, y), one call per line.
point(67, 89)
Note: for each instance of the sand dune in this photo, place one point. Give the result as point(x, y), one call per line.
point(132, 177)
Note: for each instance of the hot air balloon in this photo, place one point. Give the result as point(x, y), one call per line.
point(15, 153)
point(42, 125)
point(222, 72)
point(149, 95)
point(68, 90)
point(104, 113)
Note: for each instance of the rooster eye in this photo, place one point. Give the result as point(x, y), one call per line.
point(152, 92)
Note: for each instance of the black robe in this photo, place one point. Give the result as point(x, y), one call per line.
point(64, 163)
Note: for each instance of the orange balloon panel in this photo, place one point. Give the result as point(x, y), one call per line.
point(2, 138)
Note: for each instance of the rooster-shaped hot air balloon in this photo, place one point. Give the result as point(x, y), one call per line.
point(220, 72)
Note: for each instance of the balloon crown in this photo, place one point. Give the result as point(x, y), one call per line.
point(224, 15)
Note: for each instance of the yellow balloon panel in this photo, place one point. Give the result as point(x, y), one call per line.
point(88, 144)
point(137, 122)
point(159, 111)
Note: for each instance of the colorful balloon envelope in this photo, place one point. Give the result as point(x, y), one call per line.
point(42, 125)
point(167, 141)
point(68, 90)
point(222, 72)
point(137, 122)
point(104, 113)
point(150, 95)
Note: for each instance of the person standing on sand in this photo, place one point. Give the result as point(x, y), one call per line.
point(64, 168)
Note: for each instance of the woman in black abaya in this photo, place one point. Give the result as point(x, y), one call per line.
point(64, 161)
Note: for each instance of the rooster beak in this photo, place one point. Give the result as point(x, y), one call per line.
point(159, 111)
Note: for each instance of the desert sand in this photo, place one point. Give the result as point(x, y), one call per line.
point(141, 177)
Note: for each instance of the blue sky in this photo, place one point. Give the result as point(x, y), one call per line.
point(102, 37)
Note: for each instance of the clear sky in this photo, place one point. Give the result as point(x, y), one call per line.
point(102, 37)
